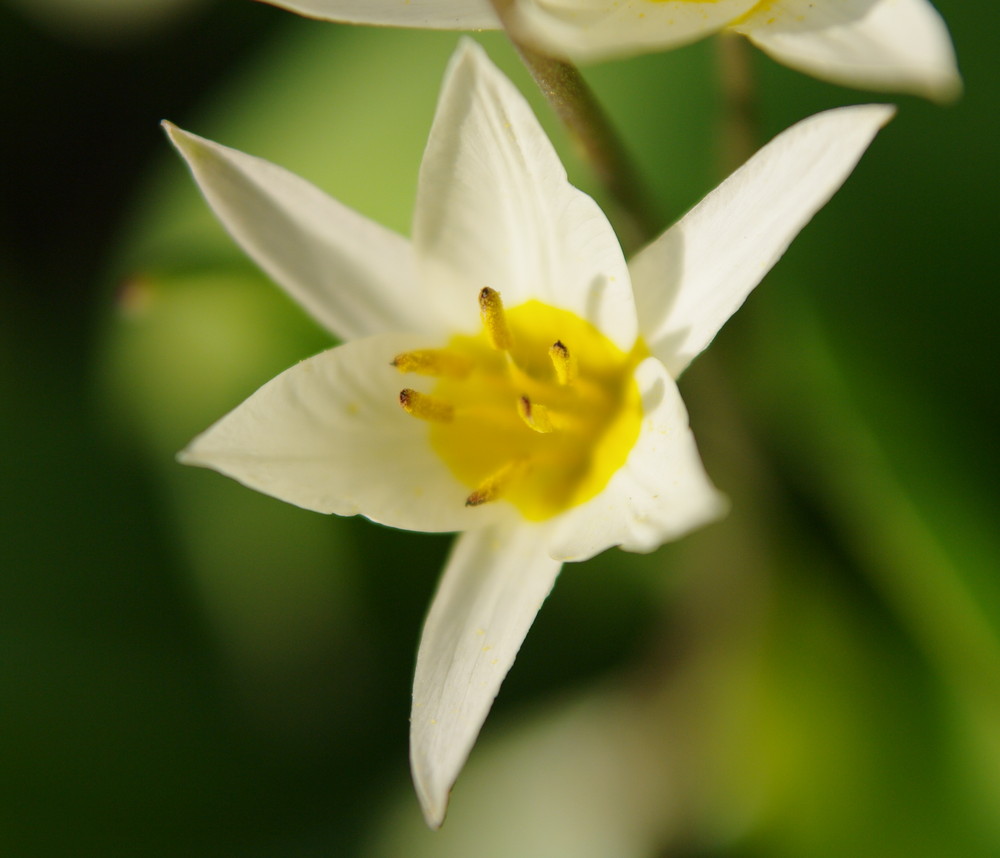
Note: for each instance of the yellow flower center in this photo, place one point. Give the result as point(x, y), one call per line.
point(539, 408)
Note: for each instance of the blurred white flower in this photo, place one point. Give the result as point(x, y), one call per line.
point(592, 775)
point(899, 45)
point(539, 411)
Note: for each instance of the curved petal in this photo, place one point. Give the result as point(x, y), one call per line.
point(355, 277)
point(691, 279)
point(433, 14)
point(873, 44)
point(329, 435)
point(599, 29)
point(494, 208)
point(659, 494)
point(491, 590)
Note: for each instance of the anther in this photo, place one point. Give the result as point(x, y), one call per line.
point(494, 319)
point(563, 362)
point(433, 362)
point(494, 486)
point(426, 407)
point(535, 416)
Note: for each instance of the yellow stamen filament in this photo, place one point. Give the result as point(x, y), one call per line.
point(433, 362)
point(493, 486)
point(426, 407)
point(494, 319)
point(535, 416)
point(564, 363)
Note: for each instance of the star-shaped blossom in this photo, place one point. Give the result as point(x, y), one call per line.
point(897, 45)
point(505, 373)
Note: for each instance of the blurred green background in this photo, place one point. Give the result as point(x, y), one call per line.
point(188, 668)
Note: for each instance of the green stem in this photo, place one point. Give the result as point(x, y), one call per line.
point(591, 130)
point(739, 123)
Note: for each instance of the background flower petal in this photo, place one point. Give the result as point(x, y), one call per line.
point(874, 44)
point(599, 29)
point(329, 435)
point(354, 276)
point(434, 14)
point(491, 590)
point(691, 279)
point(494, 208)
point(659, 494)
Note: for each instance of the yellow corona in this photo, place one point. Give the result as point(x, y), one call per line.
point(538, 409)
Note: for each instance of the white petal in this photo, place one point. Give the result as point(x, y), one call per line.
point(329, 435)
point(354, 276)
point(691, 279)
point(874, 44)
point(494, 208)
point(434, 14)
point(491, 590)
point(659, 494)
point(598, 29)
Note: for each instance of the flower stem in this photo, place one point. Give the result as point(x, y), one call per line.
point(576, 106)
point(739, 125)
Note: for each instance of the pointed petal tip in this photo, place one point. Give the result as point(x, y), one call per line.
point(432, 789)
point(433, 805)
point(184, 141)
point(468, 52)
point(468, 45)
point(190, 455)
point(692, 278)
point(471, 58)
point(886, 111)
point(715, 509)
point(174, 132)
point(490, 592)
point(946, 91)
point(863, 120)
point(874, 116)
point(879, 114)
point(889, 45)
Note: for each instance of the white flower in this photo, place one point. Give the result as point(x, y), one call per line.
point(535, 369)
point(900, 45)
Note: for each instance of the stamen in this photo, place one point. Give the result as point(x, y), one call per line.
point(535, 416)
point(563, 362)
point(426, 407)
point(494, 319)
point(494, 486)
point(433, 362)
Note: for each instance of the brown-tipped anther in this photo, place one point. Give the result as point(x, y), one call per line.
point(494, 486)
point(477, 498)
point(494, 319)
point(425, 407)
point(433, 362)
point(563, 362)
point(535, 416)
